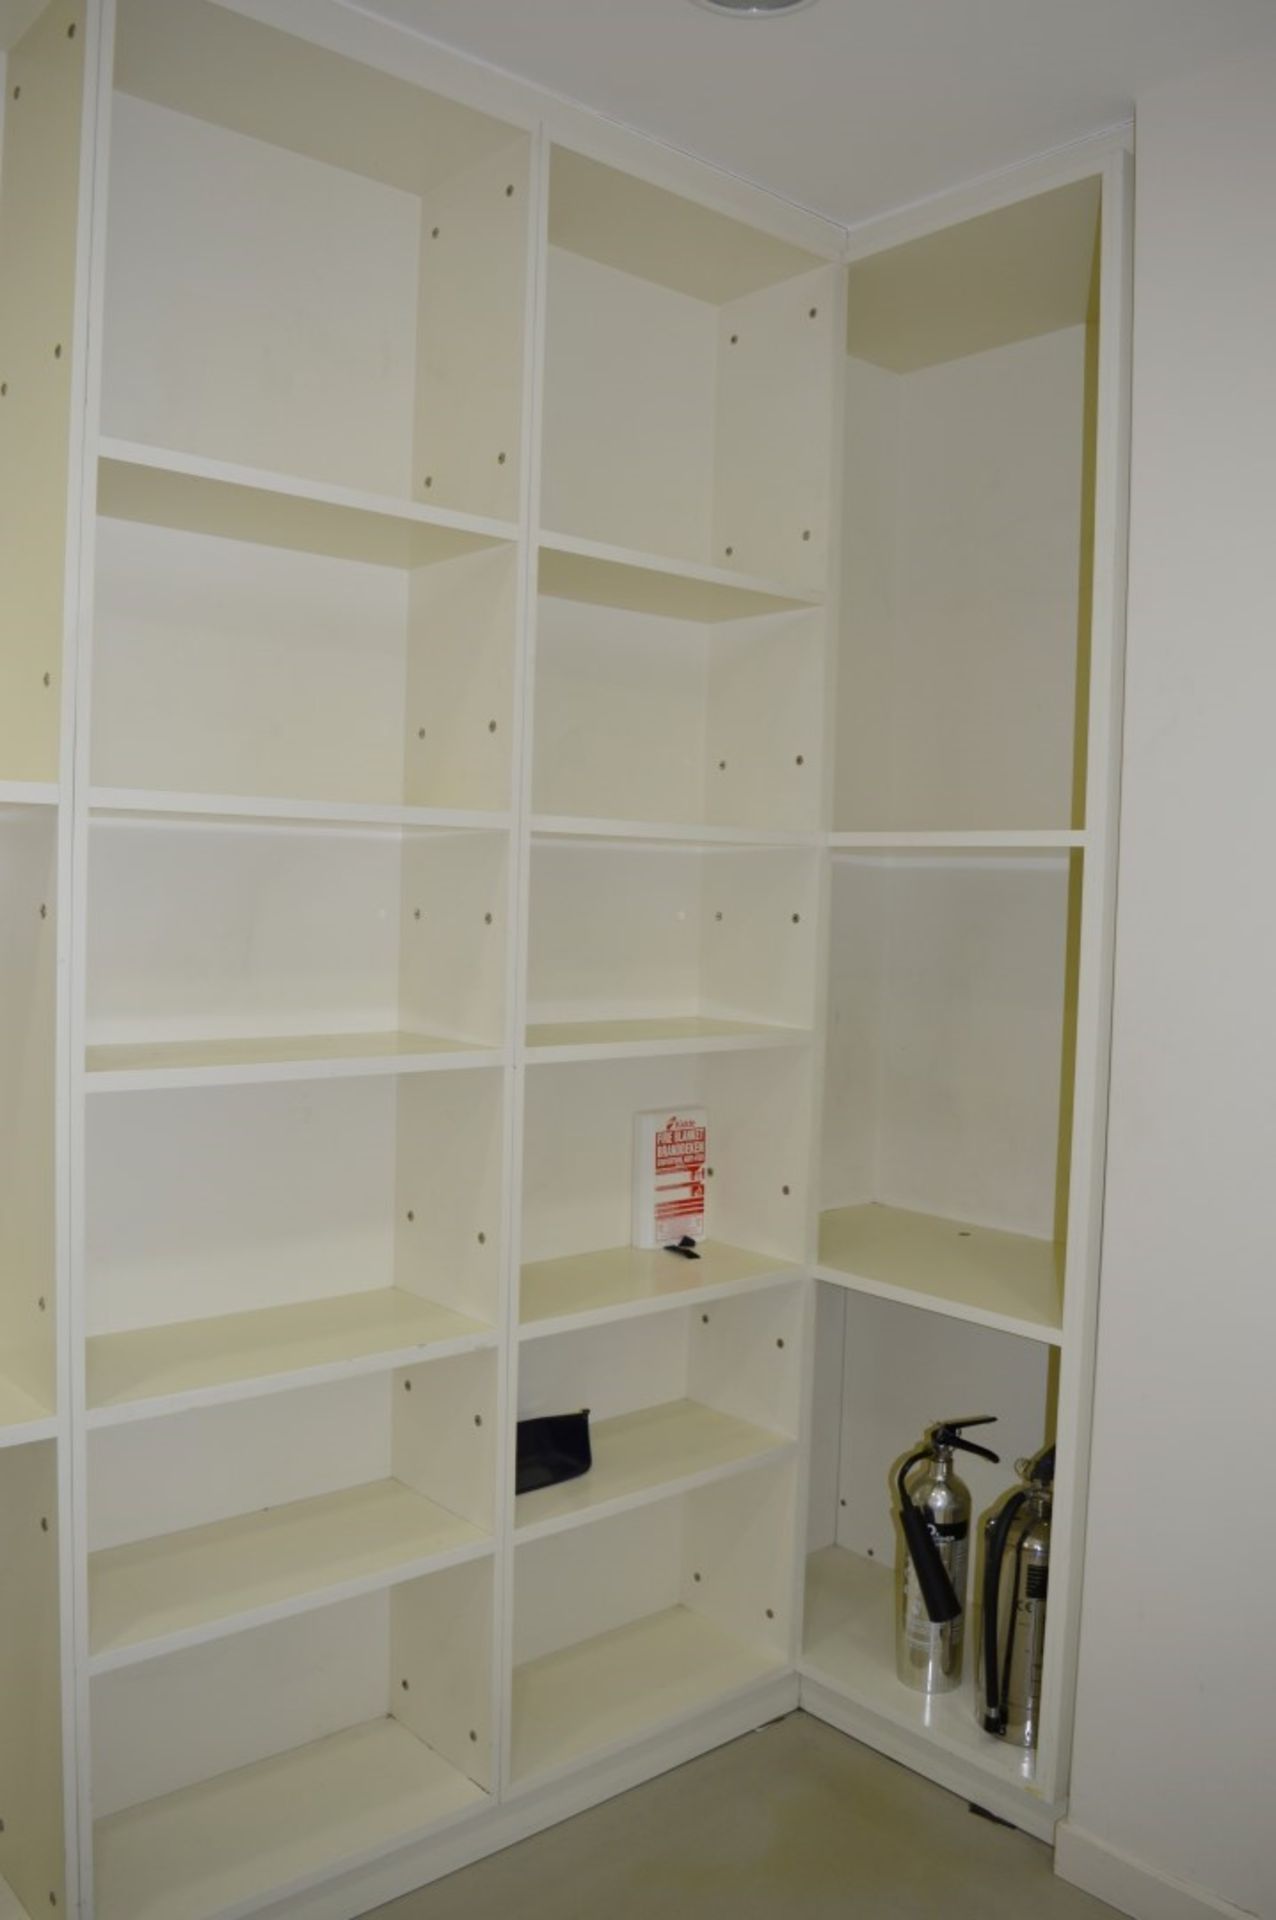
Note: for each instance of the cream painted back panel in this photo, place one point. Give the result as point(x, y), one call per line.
point(260, 307)
point(962, 571)
point(226, 667)
point(946, 1033)
point(629, 410)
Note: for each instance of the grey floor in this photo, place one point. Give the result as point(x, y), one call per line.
point(793, 1823)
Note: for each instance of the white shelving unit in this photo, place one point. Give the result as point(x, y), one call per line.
point(466, 692)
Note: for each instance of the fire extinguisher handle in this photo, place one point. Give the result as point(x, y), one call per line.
point(971, 1446)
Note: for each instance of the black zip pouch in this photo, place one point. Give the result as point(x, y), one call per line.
point(551, 1448)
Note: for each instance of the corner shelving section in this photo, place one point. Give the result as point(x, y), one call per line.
point(971, 858)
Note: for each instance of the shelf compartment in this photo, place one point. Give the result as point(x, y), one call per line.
point(231, 1843)
point(642, 1621)
point(629, 943)
point(572, 1040)
point(951, 1014)
point(621, 1283)
point(412, 386)
point(156, 1595)
point(608, 576)
point(849, 1646)
point(351, 1225)
point(577, 1185)
point(408, 675)
point(963, 679)
point(651, 1454)
point(231, 1776)
point(707, 731)
point(219, 948)
point(189, 494)
point(677, 1401)
point(154, 1370)
point(591, 1699)
point(1002, 1280)
point(688, 381)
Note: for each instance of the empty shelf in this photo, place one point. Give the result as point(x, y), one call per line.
point(195, 495)
point(22, 1417)
point(27, 793)
point(232, 1843)
point(570, 826)
point(156, 1595)
point(620, 1282)
point(196, 1362)
point(607, 576)
point(976, 839)
point(1002, 1280)
point(141, 1065)
point(627, 1039)
point(849, 1646)
point(159, 802)
point(603, 1693)
point(643, 1456)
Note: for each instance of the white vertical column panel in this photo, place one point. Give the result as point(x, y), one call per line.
point(1171, 1802)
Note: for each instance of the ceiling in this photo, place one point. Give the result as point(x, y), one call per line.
point(854, 106)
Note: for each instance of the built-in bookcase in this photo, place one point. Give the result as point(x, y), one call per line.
point(507, 644)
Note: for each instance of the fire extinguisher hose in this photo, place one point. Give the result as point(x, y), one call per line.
point(939, 1596)
point(994, 1704)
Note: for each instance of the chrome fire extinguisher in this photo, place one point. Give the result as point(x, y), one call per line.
point(934, 1514)
point(1016, 1583)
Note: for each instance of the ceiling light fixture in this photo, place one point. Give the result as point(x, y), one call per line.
point(753, 9)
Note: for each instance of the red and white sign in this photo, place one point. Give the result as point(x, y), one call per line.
point(670, 1150)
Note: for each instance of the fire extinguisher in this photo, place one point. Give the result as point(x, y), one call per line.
point(1016, 1583)
point(934, 1513)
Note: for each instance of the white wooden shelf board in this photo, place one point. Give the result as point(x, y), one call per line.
point(139, 1066)
point(566, 826)
point(230, 1844)
point(27, 793)
point(23, 1418)
point(849, 1647)
point(633, 1039)
point(991, 840)
point(176, 1590)
point(600, 1694)
point(621, 1283)
point(648, 1455)
point(609, 576)
point(157, 1370)
point(105, 801)
point(1003, 1280)
point(195, 495)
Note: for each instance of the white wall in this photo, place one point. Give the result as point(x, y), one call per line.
point(1174, 1782)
